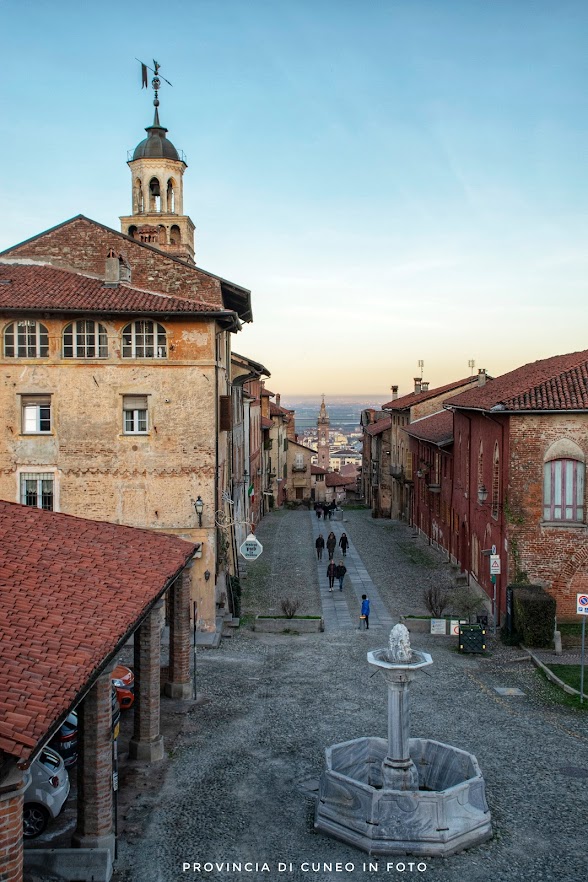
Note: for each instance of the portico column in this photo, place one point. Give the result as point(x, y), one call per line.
point(147, 741)
point(95, 826)
point(179, 684)
point(12, 787)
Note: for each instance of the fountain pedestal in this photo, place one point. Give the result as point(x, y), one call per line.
point(406, 796)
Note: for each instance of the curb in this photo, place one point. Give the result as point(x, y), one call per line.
point(550, 675)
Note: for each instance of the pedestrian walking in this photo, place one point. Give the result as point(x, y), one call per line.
point(328, 512)
point(320, 544)
point(364, 618)
point(331, 544)
point(318, 511)
point(331, 573)
point(344, 542)
point(340, 571)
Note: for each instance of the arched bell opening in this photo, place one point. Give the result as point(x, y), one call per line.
point(154, 195)
point(175, 236)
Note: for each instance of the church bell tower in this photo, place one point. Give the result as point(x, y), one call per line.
point(157, 170)
point(323, 453)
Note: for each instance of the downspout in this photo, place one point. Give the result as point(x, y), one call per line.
point(501, 511)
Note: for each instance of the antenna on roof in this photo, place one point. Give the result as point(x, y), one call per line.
point(421, 366)
point(471, 365)
point(155, 82)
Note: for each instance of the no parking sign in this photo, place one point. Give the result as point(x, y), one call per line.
point(582, 604)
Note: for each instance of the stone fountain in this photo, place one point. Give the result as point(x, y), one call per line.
point(406, 795)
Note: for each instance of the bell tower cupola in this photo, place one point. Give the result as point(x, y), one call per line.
point(323, 452)
point(157, 171)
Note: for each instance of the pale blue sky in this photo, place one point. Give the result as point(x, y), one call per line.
point(394, 179)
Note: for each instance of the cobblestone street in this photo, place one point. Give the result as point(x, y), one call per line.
point(242, 771)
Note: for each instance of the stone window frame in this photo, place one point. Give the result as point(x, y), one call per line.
point(144, 338)
point(39, 475)
point(98, 332)
point(28, 335)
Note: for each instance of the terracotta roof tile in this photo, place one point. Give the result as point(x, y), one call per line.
point(379, 426)
point(332, 479)
point(556, 383)
point(437, 428)
point(60, 619)
point(34, 286)
point(316, 470)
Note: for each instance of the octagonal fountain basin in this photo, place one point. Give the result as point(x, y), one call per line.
point(447, 813)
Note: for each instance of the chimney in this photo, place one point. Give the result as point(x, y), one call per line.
point(481, 376)
point(394, 392)
point(424, 385)
point(278, 399)
point(417, 385)
point(116, 269)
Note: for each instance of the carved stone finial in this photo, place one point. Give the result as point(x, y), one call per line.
point(399, 651)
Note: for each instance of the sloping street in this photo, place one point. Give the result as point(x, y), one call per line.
point(237, 797)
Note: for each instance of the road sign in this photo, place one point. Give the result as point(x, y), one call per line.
point(582, 604)
point(494, 564)
point(251, 548)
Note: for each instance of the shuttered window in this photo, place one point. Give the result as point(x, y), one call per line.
point(225, 421)
point(36, 414)
point(135, 409)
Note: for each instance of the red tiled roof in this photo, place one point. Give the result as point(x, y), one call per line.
point(316, 470)
point(266, 423)
point(556, 383)
point(332, 479)
point(379, 426)
point(42, 287)
point(411, 398)
point(267, 393)
point(437, 428)
point(276, 410)
point(350, 470)
point(70, 590)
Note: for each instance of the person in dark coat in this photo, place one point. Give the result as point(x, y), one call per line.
point(340, 571)
point(318, 511)
point(331, 573)
point(320, 544)
point(344, 542)
point(331, 545)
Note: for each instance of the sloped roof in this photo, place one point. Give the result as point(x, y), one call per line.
point(436, 429)
point(82, 244)
point(266, 423)
point(411, 398)
point(316, 470)
point(30, 286)
point(70, 590)
point(332, 479)
point(379, 426)
point(558, 383)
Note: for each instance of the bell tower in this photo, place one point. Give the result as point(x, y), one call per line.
point(323, 453)
point(157, 170)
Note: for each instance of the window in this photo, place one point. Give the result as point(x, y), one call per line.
point(37, 490)
point(563, 490)
point(135, 414)
point(26, 339)
point(36, 414)
point(144, 339)
point(495, 482)
point(85, 339)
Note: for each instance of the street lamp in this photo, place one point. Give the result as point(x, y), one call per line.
point(482, 494)
point(199, 506)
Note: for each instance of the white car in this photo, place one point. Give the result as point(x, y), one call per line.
point(46, 792)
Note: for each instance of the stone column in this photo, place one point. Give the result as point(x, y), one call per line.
point(12, 787)
point(95, 826)
point(398, 770)
point(179, 684)
point(147, 741)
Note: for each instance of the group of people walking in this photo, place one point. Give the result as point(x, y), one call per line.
point(331, 544)
point(338, 570)
point(325, 510)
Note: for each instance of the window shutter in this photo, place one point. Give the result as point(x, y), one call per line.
point(225, 422)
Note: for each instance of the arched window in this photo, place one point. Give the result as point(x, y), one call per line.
point(175, 235)
point(132, 232)
point(495, 482)
point(162, 235)
point(85, 339)
point(563, 482)
point(480, 466)
point(26, 339)
point(139, 201)
point(144, 339)
point(154, 195)
point(171, 196)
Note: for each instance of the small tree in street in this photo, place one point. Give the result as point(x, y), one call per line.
point(290, 607)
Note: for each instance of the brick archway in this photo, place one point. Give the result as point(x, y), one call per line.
point(571, 580)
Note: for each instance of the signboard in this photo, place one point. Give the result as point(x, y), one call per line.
point(582, 604)
point(438, 626)
point(251, 548)
point(494, 564)
point(454, 627)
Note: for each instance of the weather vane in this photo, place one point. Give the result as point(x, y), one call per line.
point(155, 82)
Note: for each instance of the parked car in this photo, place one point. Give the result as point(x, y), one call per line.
point(65, 741)
point(46, 792)
point(124, 682)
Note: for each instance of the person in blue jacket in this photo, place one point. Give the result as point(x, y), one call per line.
point(365, 612)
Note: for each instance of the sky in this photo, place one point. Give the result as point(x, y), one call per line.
point(394, 180)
